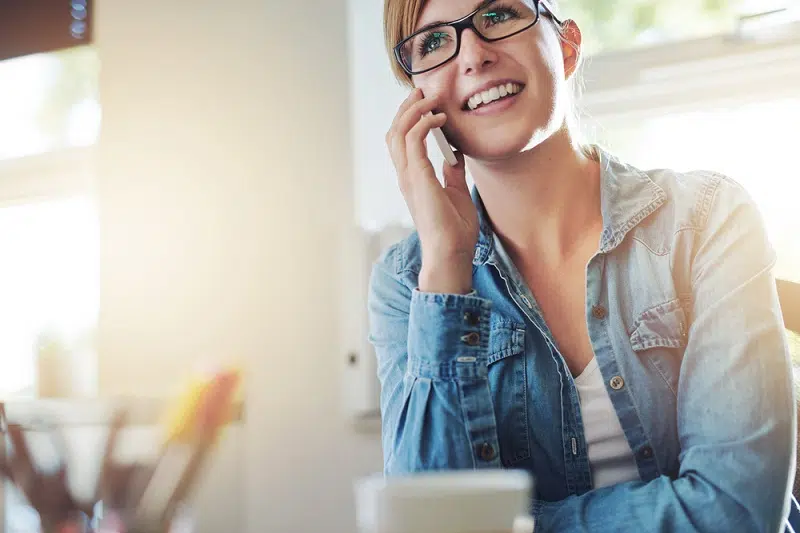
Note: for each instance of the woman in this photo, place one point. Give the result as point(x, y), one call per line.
point(612, 331)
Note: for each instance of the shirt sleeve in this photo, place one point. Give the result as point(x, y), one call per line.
point(431, 348)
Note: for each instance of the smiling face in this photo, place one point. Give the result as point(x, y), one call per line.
point(500, 97)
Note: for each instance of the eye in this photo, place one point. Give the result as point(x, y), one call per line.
point(499, 16)
point(432, 42)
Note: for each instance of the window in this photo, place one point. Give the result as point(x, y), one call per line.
point(49, 275)
point(49, 102)
point(49, 235)
point(613, 26)
point(48, 296)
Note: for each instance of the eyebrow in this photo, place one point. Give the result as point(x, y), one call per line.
point(479, 5)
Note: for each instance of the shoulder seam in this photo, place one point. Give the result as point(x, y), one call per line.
point(706, 201)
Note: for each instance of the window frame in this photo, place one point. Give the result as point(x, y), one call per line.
point(48, 175)
point(689, 75)
point(39, 177)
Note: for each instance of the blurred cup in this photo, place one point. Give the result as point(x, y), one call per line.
point(469, 501)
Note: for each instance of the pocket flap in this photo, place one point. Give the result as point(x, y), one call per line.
point(506, 338)
point(663, 325)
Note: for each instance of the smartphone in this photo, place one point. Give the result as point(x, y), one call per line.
point(444, 146)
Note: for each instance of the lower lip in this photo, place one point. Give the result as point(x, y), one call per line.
point(498, 106)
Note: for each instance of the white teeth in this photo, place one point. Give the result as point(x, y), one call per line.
point(495, 93)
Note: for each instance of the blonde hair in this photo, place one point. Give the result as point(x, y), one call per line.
point(399, 19)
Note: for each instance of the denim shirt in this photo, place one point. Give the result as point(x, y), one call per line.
point(684, 321)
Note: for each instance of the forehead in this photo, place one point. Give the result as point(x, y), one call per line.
point(434, 11)
point(445, 10)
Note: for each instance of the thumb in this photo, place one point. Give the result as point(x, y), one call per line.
point(456, 176)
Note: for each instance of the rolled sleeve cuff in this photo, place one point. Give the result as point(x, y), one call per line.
point(448, 335)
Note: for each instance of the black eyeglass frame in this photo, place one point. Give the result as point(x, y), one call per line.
point(467, 23)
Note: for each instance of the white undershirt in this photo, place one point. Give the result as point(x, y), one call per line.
point(610, 457)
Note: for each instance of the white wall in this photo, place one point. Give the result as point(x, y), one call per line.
point(225, 181)
point(376, 95)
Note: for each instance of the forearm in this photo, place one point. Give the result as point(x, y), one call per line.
point(689, 503)
point(441, 414)
point(432, 349)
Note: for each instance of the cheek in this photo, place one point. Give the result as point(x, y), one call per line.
point(439, 83)
point(546, 73)
point(432, 85)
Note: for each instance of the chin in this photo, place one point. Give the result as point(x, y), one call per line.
point(496, 150)
point(496, 145)
point(503, 139)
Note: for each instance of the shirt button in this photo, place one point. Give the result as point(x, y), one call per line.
point(599, 312)
point(527, 301)
point(647, 452)
point(472, 318)
point(617, 382)
point(486, 451)
point(472, 339)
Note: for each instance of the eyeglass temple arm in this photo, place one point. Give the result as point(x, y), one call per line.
point(549, 9)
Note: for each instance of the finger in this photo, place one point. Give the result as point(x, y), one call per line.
point(415, 140)
point(413, 97)
point(414, 113)
point(456, 176)
point(409, 119)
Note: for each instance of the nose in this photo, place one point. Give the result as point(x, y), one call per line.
point(475, 54)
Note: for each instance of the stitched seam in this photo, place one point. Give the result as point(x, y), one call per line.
point(619, 233)
point(465, 424)
point(707, 199)
point(526, 452)
point(660, 254)
point(663, 376)
point(640, 316)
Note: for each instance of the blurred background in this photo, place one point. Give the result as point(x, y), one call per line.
point(184, 182)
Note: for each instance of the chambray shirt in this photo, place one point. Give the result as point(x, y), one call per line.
point(684, 320)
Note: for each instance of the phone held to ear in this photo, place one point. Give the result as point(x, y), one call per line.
point(444, 146)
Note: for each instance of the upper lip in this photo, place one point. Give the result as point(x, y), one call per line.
point(486, 86)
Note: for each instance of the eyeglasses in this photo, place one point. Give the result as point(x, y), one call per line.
point(439, 42)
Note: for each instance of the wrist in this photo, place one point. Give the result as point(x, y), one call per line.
point(451, 276)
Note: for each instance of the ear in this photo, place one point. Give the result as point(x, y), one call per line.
point(571, 41)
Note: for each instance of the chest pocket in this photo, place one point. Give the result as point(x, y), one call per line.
point(659, 337)
point(508, 382)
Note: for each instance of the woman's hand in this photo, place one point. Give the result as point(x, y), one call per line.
point(445, 217)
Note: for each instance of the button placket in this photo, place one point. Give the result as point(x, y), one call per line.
point(472, 318)
point(472, 338)
point(487, 452)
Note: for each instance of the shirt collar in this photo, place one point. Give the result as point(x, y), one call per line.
point(627, 196)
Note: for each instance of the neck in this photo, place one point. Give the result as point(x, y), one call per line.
point(544, 201)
